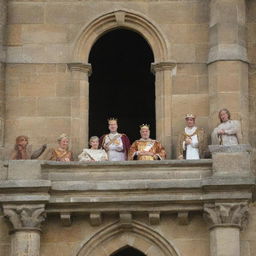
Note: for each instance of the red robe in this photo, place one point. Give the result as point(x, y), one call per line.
point(125, 140)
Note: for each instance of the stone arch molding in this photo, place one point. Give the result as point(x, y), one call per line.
point(117, 235)
point(120, 19)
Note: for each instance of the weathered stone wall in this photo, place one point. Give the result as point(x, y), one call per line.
point(66, 241)
point(41, 38)
point(251, 35)
point(43, 33)
point(5, 240)
point(38, 102)
point(194, 237)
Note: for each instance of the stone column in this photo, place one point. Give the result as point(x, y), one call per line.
point(26, 221)
point(227, 62)
point(163, 88)
point(225, 221)
point(3, 22)
point(79, 105)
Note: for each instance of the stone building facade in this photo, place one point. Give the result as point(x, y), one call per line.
point(204, 60)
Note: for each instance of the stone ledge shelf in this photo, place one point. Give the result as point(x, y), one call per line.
point(152, 188)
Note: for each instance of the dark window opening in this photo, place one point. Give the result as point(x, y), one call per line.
point(121, 84)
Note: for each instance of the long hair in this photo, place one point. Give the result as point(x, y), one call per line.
point(18, 140)
point(227, 111)
point(16, 147)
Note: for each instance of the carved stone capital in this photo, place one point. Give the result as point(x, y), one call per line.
point(81, 67)
point(226, 214)
point(161, 66)
point(26, 216)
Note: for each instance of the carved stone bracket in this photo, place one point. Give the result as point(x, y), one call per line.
point(160, 66)
point(226, 214)
point(65, 218)
point(26, 216)
point(154, 218)
point(95, 218)
point(81, 67)
point(183, 218)
point(125, 219)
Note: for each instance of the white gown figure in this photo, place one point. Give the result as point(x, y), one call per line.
point(192, 151)
point(232, 136)
point(116, 148)
point(93, 155)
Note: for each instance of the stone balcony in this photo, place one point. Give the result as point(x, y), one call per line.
point(178, 186)
point(221, 188)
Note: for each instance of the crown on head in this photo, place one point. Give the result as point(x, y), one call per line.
point(190, 116)
point(145, 126)
point(112, 119)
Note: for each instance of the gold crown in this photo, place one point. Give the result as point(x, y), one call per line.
point(146, 126)
point(190, 116)
point(112, 119)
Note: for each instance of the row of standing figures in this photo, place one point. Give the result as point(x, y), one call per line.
point(191, 144)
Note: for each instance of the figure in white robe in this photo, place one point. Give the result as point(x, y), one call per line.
point(192, 141)
point(228, 132)
point(93, 153)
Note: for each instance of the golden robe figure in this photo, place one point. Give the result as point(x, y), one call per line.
point(146, 148)
point(61, 153)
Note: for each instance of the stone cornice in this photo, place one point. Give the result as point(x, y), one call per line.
point(96, 189)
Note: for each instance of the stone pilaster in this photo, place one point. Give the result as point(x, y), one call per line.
point(228, 67)
point(3, 22)
point(231, 160)
point(225, 221)
point(79, 105)
point(163, 75)
point(26, 223)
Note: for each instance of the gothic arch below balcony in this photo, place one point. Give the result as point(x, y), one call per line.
point(135, 234)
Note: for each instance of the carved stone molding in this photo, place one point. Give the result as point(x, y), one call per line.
point(96, 218)
point(183, 218)
point(154, 218)
point(160, 66)
point(226, 214)
point(65, 218)
point(26, 216)
point(81, 67)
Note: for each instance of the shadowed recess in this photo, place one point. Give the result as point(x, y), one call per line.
point(127, 251)
point(121, 84)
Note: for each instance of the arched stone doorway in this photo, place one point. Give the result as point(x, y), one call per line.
point(122, 84)
point(81, 70)
point(128, 251)
point(118, 236)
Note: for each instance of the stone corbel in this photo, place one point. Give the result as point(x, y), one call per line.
point(96, 218)
point(65, 218)
point(80, 67)
point(226, 214)
point(183, 218)
point(25, 217)
point(161, 66)
point(125, 219)
point(154, 218)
